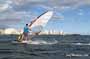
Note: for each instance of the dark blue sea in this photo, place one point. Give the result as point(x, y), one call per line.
point(48, 47)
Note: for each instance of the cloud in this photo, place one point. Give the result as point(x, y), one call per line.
point(22, 2)
point(19, 9)
point(5, 5)
point(47, 4)
point(58, 17)
point(80, 13)
point(17, 17)
point(3, 26)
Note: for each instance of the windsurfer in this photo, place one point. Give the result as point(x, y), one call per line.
point(26, 32)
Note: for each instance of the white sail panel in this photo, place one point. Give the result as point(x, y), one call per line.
point(42, 20)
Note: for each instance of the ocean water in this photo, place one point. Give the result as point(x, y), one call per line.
point(48, 47)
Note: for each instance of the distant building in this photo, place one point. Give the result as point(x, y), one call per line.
point(52, 32)
point(55, 32)
point(61, 32)
point(11, 31)
point(44, 32)
point(1, 31)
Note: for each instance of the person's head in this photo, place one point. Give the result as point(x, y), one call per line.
point(26, 24)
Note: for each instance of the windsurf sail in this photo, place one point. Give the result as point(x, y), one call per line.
point(41, 20)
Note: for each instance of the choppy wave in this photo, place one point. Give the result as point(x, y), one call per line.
point(80, 43)
point(41, 42)
point(77, 55)
point(46, 48)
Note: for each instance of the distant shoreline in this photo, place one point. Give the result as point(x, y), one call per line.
point(50, 34)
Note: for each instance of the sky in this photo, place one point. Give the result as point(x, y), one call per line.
point(71, 16)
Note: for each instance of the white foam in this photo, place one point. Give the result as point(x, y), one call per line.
point(77, 55)
point(81, 43)
point(40, 42)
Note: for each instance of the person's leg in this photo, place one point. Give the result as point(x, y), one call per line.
point(25, 36)
point(28, 36)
